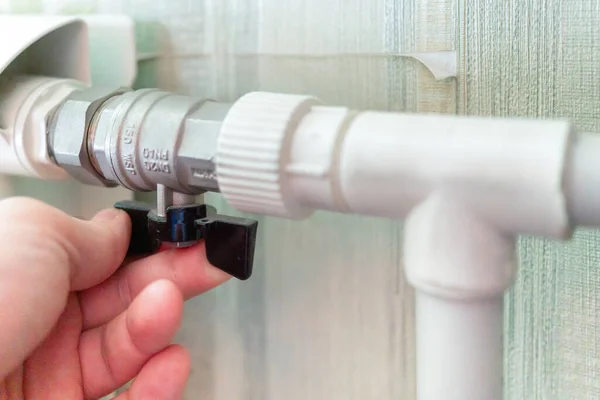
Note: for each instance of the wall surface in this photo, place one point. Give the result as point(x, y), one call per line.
point(328, 314)
point(542, 58)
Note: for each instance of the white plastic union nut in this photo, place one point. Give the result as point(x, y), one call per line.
point(253, 149)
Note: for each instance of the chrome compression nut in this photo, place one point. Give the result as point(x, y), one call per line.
point(68, 133)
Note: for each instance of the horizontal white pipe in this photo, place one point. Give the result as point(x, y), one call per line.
point(583, 180)
point(523, 176)
point(459, 349)
point(27, 104)
point(509, 171)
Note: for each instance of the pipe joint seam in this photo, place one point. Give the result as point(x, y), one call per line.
point(452, 252)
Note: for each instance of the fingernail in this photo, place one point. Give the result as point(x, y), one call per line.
point(107, 215)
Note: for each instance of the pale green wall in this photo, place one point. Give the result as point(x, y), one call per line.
point(328, 314)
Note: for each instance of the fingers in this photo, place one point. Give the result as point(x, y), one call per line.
point(187, 268)
point(162, 378)
point(45, 253)
point(113, 354)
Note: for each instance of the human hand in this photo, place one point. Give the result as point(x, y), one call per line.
point(73, 324)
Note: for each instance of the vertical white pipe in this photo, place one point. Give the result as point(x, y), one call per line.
point(459, 348)
point(460, 267)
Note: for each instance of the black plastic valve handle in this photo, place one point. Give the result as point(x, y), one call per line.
point(230, 241)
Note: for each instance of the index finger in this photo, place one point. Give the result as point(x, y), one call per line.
point(187, 268)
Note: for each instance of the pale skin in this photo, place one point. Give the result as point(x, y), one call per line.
point(77, 321)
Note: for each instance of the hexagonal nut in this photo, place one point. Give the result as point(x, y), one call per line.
point(69, 133)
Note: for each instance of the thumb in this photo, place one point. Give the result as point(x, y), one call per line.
point(46, 253)
point(34, 233)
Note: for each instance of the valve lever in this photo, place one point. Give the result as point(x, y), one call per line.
point(230, 241)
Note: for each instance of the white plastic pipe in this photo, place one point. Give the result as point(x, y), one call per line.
point(582, 182)
point(459, 348)
point(26, 106)
point(460, 266)
point(287, 155)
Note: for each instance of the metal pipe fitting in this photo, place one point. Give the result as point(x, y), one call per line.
point(69, 133)
point(139, 140)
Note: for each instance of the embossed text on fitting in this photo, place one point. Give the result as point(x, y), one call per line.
point(128, 163)
point(156, 160)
